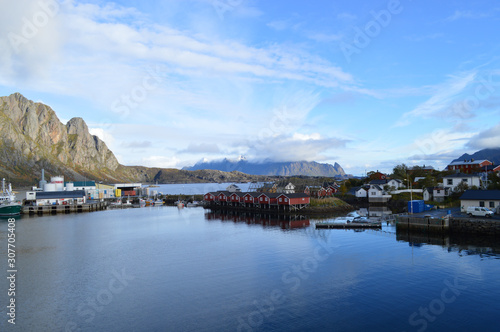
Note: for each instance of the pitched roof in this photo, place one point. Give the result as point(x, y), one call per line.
point(253, 194)
point(378, 182)
point(295, 195)
point(481, 195)
point(468, 162)
point(377, 187)
point(461, 175)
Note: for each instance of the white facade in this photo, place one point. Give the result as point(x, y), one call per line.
point(375, 191)
point(395, 183)
point(491, 204)
point(361, 193)
point(437, 194)
point(452, 181)
point(377, 195)
point(233, 188)
point(289, 188)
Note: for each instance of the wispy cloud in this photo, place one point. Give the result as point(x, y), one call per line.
point(466, 14)
point(346, 16)
point(325, 38)
point(444, 96)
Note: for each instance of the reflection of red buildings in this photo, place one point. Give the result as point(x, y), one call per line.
point(266, 220)
point(258, 200)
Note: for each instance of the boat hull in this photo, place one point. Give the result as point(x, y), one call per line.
point(10, 210)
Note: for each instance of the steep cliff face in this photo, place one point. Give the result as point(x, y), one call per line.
point(32, 137)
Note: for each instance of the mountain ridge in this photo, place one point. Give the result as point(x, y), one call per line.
point(272, 168)
point(491, 154)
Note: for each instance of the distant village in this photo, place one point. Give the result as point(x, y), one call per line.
point(472, 182)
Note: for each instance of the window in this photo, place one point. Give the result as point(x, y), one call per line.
point(438, 191)
point(481, 203)
point(464, 180)
point(450, 182)
point(492, 204)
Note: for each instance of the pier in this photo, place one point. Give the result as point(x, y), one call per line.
point(70, 208)
point(349, 225)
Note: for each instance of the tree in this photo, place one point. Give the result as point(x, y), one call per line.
point(428, 182)
point(461, 188)
point(400, 172)
point(494, 181)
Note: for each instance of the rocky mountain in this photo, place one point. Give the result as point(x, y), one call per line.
point(492, 155)
point(270, 168)
point(32, 137)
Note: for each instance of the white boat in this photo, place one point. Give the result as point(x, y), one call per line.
point(193, 204)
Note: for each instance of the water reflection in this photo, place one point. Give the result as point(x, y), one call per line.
point(463, 244)
point(264, 219)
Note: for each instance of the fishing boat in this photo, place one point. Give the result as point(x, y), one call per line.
point(8, 204)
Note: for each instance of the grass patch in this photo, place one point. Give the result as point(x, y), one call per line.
point(328, 202)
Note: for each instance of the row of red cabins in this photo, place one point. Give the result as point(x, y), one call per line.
point(257, 200)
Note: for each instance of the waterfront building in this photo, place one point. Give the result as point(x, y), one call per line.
point(58, 197)
point(482, 198)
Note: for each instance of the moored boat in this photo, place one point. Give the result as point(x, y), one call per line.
point(8, 205)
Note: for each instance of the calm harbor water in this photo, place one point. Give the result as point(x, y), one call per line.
point(164, 269)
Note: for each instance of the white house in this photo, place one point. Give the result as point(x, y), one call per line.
point(437, 194)
point(482, 198)
point(361, 192)
point(288, 189)
point(396, 183)
point(377, 195)
point(233, 188)
point(452, 181)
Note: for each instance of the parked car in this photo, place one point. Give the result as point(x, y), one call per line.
point(479, 211)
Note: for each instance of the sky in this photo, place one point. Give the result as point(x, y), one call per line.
point(367, 84)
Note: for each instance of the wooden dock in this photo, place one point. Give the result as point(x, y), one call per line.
point(349, 225)
point(71, 208)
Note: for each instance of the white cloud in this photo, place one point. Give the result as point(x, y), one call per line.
point(489, 138)
point(326, 38)
point(466, 14)
point(279, 25)
point(160, 161)
point(296, 147)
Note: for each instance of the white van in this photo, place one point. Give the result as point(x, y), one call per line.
point(479, 211)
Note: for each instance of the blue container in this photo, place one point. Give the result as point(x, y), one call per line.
point(416, 206)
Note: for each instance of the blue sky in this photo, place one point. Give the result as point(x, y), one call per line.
point(367, 84)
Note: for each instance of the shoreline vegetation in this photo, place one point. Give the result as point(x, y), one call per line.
point(329, 205)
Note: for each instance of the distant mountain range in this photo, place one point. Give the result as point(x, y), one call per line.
point(270, 168)
point(492, 155)
point(32, 137)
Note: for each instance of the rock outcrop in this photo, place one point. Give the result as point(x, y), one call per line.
point(32, 137)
